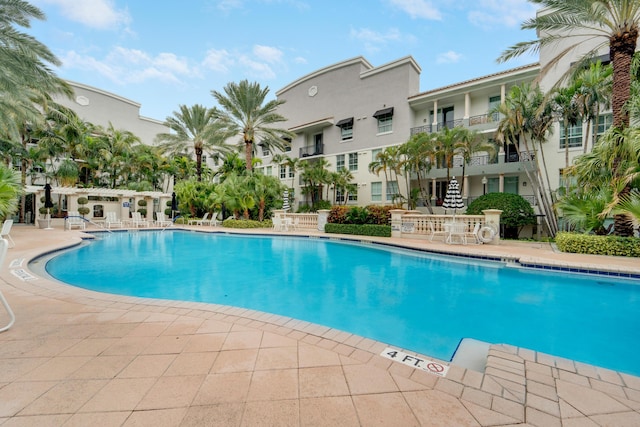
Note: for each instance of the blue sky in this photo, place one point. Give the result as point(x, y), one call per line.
point(164, 53)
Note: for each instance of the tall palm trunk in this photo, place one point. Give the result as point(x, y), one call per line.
point(621, 49)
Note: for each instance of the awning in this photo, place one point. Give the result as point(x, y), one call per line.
point(345, 122)
point(383, 112)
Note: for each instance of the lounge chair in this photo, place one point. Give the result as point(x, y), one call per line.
point(162, 221)
point(112, 221)
point(4, 245)
point(203, 221)
point(6, 229)
point(475, 234)
point(434, 232)
point(75, 220)
point(138, 221)
point(214, 219)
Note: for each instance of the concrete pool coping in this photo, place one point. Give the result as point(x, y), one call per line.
point(76, 356)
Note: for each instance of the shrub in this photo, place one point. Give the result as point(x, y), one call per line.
point(380, 215)
point(246, 223)
point(516, 211)
point(83, 200)
point(83, 210)
point(338, 215)
point(357, 215)
point(142, 211)
point(142, 203)
point(359, 229)
point(598, 245)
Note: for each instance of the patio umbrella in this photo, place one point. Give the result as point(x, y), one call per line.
point(285, 201)
point(453, 198)
point(47, 196)
point(174, 204)
point(48, 203)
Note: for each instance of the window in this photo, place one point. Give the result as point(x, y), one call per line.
point(572, 180)
point(374, 154)
point(392, 190)
point(353, 161)
point(493, 185)
point(574, 135)
point(268, 171)
point(290, 172)
point(385, 119)
point(511, 184)
point(604, 123)
point(376, 191)
point(494, 103)
point(283, 171)
point(287, 147)
point(265, 151)
point(98, 211)
point(340, 162)
point(351, 197)
point(346, 128)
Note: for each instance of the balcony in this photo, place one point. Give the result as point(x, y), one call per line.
point(313, 150)
point(479, 121)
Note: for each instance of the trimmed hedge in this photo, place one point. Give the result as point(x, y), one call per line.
point(246, 223)
point(598, 245)
point(359, 229)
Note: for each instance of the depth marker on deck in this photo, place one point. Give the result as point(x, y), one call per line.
point(415, 362)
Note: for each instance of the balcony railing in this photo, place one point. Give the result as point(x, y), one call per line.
point(470, 122)
point(312, 150)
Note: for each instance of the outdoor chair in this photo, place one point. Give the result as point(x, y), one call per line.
point(138, 221)
point(75, 220)
point(162, 221)
point(204, 220)
point(474, 234)
point(6, 229)
point(112, 221)
point(214, 219)
point(435, 232)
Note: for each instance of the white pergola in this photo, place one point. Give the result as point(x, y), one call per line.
point(125, 197)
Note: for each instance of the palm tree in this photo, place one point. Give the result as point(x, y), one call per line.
point(469, 144)
point(520, 118)
point(116, 152)
point(564, 104)
point(192, 128)
point(612, 23)
point(10, 189)
point(264, 188)
point(245, 113)
point(390, 161)
point(418, 154)
point(314, 176)
point(593, 92)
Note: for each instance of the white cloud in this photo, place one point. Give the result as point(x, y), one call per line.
point(300, 60)
point(99, 14)
point(418, 9)
point(257, 69)
point(268, 53)
point(500, 13)
point(218, 60)
point(375, 41)
point(449, 57)
point(122, 65)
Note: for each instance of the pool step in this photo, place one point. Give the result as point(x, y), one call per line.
point(471, 354)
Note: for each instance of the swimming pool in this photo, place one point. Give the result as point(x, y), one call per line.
point(406, 298)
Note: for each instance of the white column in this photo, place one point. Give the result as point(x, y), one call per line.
point(467, 105)
point(465, 187)
point(435, 114)
point(501, 183)
point(503, 93)
point(433, 188)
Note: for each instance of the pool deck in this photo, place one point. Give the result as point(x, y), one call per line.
point(76, 358)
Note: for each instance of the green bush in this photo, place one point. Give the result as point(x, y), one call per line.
point(142, 212)
point(338, 214)
point(357, 215)
point(359, 229)
point(380, 215)
point(516, 212)
point(83, 210)
point(598, 245)
point(246, 223)
point(83, 200)
point(142, 203)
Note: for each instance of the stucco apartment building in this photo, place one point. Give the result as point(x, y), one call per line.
point(347, 112)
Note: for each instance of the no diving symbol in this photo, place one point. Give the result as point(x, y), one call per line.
point(435, 367)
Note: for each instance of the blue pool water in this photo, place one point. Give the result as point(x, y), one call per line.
point(405, 298)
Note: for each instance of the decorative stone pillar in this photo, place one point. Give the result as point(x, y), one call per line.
point(492, 219)
point(396, 222)
point(323, 218)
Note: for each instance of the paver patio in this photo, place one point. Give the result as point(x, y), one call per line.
point(78, 358)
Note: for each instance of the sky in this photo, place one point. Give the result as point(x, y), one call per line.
point(166, 53)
